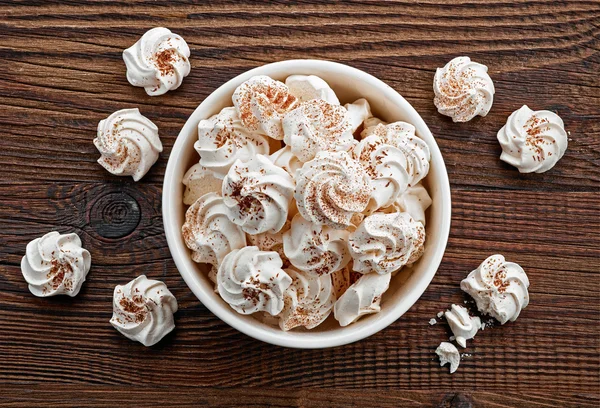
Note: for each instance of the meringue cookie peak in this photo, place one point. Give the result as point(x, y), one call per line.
point(499, 288)
point(533, 141)
point(143, 310)
point(208, 232)
point(128, 143)
point(448, 354)
point(199, 181)
point(315, 249)
point(361, 298)
point(251, 280)
point(308, 301)
point(331, 188)
point(316, 126)
point(358, 112)
point(223, 139)
point(55, 264)
point(158, 61)
point(261, 103)
point(463, 89)
point(258, 195)
point(307, 87)
point(384, 243)
point(463, 326)
point(271, 242)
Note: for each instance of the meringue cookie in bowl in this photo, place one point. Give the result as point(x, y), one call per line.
point(533, 141)
point(499, 288)
point(362, 298)
point(258, 195)
point(223, 139)
point(55, 264)
point(271, 242)
point(463, 89)
point(251, 280)
point(128, 143)
point(261, 103)
point(463, 326)
point(143, 310)
point(415, 201)
point(315, 249)
point(358, 112)
point(199, 181)
point(331, 188)
point(158, 61)
point(316, 126)
point(208, 232)
point(307, 87)
point(384, 243)
point(285, 159)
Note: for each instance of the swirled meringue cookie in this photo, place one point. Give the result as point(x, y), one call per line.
point(143, 310)
point(463, 326)
point(271, 242)
point(533, 141)
point(384, 243)
point(158, 61)
point(223, 139)
point(261, 103)
point(128, 143)
point(369, 126)
point(307, 302)
point(316, 126)
point(463, 89)
point(316, 249)
point(362, 298)
point(358, 112)
point(331, 188)
point(307, 87)
point(499, 288)
point(199, 181)
point(415, 201)
point(55, 264)
point(208, 232)
point(402, 136)
point(287, 160)
point(448, 354)
point(258, 195)
point(251, 280)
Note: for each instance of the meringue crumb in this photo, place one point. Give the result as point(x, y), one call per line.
point(440, 314)
point(432, 321)
point(448, 353)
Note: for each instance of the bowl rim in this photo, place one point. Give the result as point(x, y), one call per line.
point(348, 334)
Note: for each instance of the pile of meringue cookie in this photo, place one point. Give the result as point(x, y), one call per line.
point(303, 207)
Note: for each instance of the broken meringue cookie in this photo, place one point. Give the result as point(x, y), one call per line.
point(448, 354)
point(128, 143)
point(463, 326)
point(199, 181)
point(361, 298)
point(143, 310)
point(307, 87)
point(158, 61)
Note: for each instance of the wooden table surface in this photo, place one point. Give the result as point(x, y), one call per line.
point(62, 72)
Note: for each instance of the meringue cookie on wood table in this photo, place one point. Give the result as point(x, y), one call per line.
point(128, 143)
point(55, 264)
point(463, 326)
point(307, 87)
point(463, 89)
point(143, 310)
point(533, 141)
point(448, 354)
point(158, 61)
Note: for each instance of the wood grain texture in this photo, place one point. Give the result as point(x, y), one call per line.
point(62, 72)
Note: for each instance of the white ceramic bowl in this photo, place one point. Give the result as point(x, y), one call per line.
point(349, 84)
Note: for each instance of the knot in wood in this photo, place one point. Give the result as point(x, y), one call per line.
point(114, 215)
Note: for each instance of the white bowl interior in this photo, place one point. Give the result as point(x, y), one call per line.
point(406, 287)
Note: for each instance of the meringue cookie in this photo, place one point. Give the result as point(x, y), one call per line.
point(363, 297)
point(307, 87)
point(251, 280)
point(261, 103)
point(463, 89)
point(316, 126)
point(369, 126)
point(208, 232)
point(448, 354)
point(55, 264)
point(128, 143)
point(463, 326)
point(533, 141)
point(358, 112)
point(308, 301)
point(415, 201)
point(158, 61)
point(384, 243)
point(285, 159)
point(499, 288)
point(143, 310)
point(223, 139)
point(331, 188)
point(199, 181)
point(258, 195)
point(271, 242)
point(402, 136)
point(315, 249)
